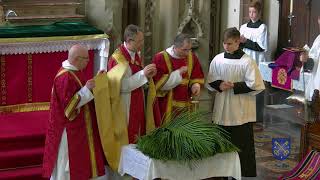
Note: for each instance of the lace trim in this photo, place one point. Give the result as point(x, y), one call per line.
point(52, 46)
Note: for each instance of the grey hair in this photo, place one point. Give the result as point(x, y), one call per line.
point(180, 39)
point(130, 32)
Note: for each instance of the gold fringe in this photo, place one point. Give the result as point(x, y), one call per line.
point(27, 107)
point(3, 86)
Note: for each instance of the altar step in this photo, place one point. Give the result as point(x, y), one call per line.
point(22, 139)
point(24, 173)
point(21, 158)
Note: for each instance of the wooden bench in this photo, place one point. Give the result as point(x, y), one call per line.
point(310, 138)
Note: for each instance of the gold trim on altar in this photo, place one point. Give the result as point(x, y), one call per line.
point(53, 38)
point(3, 82)
point(27, 107)
point(29, 81)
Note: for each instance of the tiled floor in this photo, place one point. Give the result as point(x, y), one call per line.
point(278, 123)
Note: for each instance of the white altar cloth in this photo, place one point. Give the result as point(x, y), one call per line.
point(140, 166)
point(266, 74)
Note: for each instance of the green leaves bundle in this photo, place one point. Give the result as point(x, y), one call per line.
point(186, 137)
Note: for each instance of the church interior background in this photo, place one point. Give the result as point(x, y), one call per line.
point(160, 20)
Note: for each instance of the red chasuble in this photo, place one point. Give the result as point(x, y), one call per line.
point(137, 122)
point(86, 159)
point(178, 97)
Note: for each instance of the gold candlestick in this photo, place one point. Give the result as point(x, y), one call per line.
point(194, 105)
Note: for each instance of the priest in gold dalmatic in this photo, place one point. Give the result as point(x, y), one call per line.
point(122, 112)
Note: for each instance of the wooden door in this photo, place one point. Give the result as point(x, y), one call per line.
point(304, 27)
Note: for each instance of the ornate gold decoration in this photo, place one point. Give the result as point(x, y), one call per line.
point(282, 76)
point(29, 80)
point(28, 107)
point(148, 30)
point(3, 87)
point(192, 20)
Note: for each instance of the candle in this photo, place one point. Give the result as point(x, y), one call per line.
point(291, 6)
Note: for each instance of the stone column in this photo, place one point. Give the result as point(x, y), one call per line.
point(169, 21)
point(107, 16)
point(1, 15)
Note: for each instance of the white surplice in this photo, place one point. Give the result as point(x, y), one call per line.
point(130, 82)
point(258, 35)
point(235, 109)
point(314, 82)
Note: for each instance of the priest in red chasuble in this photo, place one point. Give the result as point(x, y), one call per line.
point(179, 76)
point(73, 149)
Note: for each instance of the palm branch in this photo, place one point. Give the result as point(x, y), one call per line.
point(186, 137)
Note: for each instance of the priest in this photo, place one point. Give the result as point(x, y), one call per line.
point(73, 149)
point(311, 58)
point(179, 76)
point(123, 118)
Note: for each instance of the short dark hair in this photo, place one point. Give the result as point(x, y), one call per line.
point(130, 32)
point(231, 33)
point(180, 39)
point(257, 5)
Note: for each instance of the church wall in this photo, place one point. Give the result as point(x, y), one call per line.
point(107, 16)
point(230, 15)
point(271, 18)
point(167, 15)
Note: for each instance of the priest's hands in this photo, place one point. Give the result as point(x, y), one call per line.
point(90, 84)
point(150, 70)
point(195, 89)
point(226, 85)
point(304, 57)
point(183, 70)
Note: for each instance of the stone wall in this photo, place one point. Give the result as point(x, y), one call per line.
point(107, 16)
point(160, 20)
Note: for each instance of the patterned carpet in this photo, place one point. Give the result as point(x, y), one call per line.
point(267, 166)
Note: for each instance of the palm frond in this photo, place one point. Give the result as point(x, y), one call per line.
point(186, 137)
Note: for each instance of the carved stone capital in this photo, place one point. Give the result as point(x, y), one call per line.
point(191, 23)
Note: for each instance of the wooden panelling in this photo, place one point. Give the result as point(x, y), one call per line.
point(304, 27)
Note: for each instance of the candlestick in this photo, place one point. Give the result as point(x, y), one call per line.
point(291, 6)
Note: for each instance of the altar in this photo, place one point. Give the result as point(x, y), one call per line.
point(30, 56)
point(300, 84)
point(136, 164)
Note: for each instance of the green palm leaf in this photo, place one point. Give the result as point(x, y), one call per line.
point(186, 137)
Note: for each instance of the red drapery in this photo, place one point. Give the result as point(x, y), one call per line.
point(28, 78)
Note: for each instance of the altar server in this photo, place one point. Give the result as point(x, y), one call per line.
point(236, 78)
